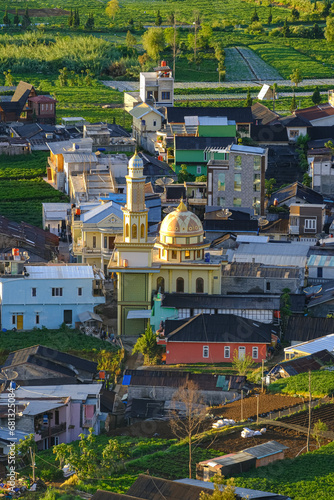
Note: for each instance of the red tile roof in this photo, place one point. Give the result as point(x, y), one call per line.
point(42, 98)
point(316, 112)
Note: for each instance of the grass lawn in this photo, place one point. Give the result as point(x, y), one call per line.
point(66, 340)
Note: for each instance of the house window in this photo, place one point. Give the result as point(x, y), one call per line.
point(180, 285)
point(149, 94)
point(205, 155)
point(198, 169)
point(310, 224)
point(221, 201)
point(42, 107)
point(165, 96)
point(127, 230)
point(13, 319)
point(161, 284)
point(51, 107)
point(227, 352)
point(105, 242)
point(199, 285)
point(57, 417)
point(205, 351)
point(198, 253)
point(183, 313)
point(257, 182)
point(174, 254)
point(68, 316)
point(134, 231)
point(46, 107)
point(319, 272)
point(221, 182)
point(80, 292)
point(237, 162)
point(37, 319)
point(268, 286)
point(257, 162)
point(57, 292)
point(187, 254)
point(154, 123)
point(142, 231)
point(94, 241)
point(255, 352)
point(237, 202)
point(237, 182)
point(33, 292)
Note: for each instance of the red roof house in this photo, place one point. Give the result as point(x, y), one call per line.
point(215, 338)
point(43, 109)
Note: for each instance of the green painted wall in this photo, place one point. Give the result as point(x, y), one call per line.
point(160, 313)
point(217, 130)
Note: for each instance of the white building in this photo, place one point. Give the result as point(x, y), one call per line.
point(55, 216)
point(48, 296)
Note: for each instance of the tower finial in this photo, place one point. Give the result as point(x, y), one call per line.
point(182, 207)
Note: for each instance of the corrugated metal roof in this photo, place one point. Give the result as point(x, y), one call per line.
point(59, 272)
point(142, 110)
point(280, 254)
point(212, 120)
point(265, 449)
point(139, 314)
point(321, 261)
point(247, 149)
point(87, 316)
point(102, 211)
point(75, 391)
point(6, 434)
point(313, 346)
point(80, 158)
point(243, 492)
point(37, 407)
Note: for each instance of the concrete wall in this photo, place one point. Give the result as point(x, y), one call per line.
point(166, 394)
point(16, 299)
point(234, 284)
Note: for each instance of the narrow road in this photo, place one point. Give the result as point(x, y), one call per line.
point(124, 86)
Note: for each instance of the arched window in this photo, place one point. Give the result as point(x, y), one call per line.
point(180, 285)
point(134, 231)
point(161, 284)
point(199, 285)
point(142, 231)
point(127, 230)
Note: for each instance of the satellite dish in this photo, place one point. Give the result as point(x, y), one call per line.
point(164, 181)
point(168, 210)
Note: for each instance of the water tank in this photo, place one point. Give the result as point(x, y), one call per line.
point(78, 211)
point(15, 252)
point(125, 263)
point(163, 63)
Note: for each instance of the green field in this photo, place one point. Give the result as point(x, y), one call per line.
point(22, 188)
point(322, 384)
point(307, 477)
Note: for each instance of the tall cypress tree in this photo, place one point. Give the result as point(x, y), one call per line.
point(16, 18)
point(70, 19)
point(6, 19)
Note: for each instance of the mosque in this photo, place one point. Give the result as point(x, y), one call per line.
point(174, 262)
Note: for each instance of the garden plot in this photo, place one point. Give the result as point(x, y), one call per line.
point(286, 59)
point(261, 69)
point(236, 66)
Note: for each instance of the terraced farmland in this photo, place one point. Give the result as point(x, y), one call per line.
point(286, 59)
point(236, 67)
point(258, 66)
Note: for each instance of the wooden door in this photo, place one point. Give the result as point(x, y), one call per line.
point(19, 322)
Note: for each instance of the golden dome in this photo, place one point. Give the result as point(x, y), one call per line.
point(181, 222)
point(136, 161)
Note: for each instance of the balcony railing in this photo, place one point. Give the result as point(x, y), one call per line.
point(52, 431)
point(89, 422)
point(294, 229)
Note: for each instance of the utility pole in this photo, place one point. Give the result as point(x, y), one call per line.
point(174, 46)
point(32, 458)
point(242, 407)
point(257, 408)
point(309, 413)
point(196, 25)
point(262, 375)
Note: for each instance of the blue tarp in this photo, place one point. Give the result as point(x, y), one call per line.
point(126, 380)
